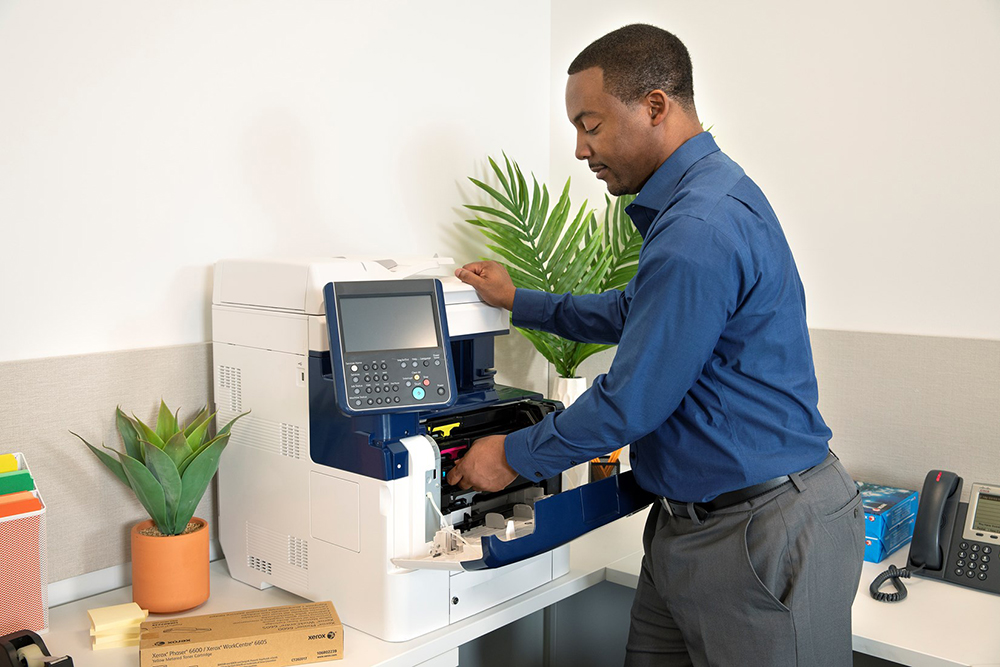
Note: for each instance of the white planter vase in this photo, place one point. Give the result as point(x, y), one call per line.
point(566, 391)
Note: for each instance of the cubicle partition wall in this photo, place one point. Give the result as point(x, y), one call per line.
point(898, 405)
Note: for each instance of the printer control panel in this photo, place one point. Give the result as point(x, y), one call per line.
point(389, 345)
point(393, 380)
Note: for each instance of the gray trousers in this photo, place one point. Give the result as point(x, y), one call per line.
point(767, 582)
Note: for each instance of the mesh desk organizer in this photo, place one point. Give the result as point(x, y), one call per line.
point(23, 572)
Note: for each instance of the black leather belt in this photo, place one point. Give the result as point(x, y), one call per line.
point(730, 498)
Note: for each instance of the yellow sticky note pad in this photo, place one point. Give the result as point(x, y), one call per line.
point(117, 616)
point(8, 463)
point(119, 632)
point(119, 642)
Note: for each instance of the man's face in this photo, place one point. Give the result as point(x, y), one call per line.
point(613, 137)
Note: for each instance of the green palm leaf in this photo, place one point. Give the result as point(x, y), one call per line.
point(545, 249)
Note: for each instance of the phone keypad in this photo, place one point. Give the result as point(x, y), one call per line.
point(973, 560)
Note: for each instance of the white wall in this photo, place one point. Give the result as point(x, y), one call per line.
point(141, 142)
point(871, 127)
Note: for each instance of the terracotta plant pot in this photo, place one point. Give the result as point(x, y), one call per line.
point(169, 573)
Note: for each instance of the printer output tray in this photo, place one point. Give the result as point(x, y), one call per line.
point(558, 519)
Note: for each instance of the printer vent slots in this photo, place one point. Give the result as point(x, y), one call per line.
point(274, 437)
point(298, 552)
point(230, 378)
point(259, 565)
point(278, 555)
point(290, 441)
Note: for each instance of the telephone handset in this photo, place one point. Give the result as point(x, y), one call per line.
point(935, 520)
point(953, 541)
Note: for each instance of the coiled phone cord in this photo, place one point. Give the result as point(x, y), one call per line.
point(893, 574)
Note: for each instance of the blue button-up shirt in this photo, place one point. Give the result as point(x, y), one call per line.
point(713, 380)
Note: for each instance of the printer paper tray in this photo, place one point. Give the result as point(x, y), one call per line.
point(558, 519)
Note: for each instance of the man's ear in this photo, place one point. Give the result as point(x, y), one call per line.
point(659, 106)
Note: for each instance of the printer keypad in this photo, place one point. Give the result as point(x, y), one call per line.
point(373, 383)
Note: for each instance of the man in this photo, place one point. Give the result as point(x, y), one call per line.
point(753, 554)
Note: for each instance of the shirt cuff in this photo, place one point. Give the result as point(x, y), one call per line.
point(515, 447)
point(529, 307)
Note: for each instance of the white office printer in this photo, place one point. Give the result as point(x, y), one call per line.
point(365, 382)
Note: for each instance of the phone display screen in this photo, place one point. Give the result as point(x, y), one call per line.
point(987, 516)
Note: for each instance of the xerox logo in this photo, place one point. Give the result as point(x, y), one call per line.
point(329, 635)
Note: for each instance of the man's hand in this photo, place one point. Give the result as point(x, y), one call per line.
point(484, 467)
point(491, 281)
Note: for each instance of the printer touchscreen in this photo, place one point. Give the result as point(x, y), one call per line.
point(388, 323)
point(389, 347)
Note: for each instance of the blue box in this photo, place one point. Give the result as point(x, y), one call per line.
point(877, 549)
point(889, 517)
point(885, 507)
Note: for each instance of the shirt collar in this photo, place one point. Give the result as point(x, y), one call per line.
point(661, 185)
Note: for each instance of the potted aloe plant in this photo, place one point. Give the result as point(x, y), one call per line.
point(168, 467)
point(545, 249)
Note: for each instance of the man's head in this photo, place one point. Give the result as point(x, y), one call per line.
point(630, 97)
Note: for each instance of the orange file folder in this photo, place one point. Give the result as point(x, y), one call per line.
point(19, 503)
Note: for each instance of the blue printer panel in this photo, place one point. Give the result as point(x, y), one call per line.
point(389, 346)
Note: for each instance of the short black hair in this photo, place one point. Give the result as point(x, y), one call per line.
point(638, 59)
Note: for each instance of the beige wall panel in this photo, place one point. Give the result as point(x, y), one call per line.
point(901, 405)
point(89, 511)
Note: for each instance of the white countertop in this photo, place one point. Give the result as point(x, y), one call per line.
point(937, 625)
point(589, 555)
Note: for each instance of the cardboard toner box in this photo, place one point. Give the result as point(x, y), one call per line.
point(274, 636)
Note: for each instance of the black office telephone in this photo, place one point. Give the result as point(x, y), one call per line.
point(953, 541)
